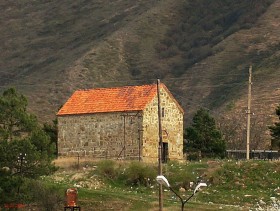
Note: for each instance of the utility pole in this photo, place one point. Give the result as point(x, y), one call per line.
point(159, 146)
point(249, 113)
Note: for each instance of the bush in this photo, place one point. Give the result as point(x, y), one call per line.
point(169, 52)
point(47, 198)
point(131, 174)
point(135, 71)
point(139, 173)
point(107, 168)
point(193, 156)
point(178, 69)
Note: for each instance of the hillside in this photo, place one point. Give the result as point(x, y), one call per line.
point(41, 41)
point(200, 50)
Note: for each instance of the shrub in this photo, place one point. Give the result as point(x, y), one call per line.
point(139, 173)
point(107, 168)
point(48, 198)
point(193, 156)
point(135, 71)
point(133, 173)
point(181, 175)
point(177, 69)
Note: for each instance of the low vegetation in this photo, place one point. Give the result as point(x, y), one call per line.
point(26, 149)
point(204, 137)
point(204, 24)
point(244, 182)
point(275, 131)
point(107, 184)
point(28, 175)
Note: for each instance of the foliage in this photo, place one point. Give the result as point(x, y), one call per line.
point(204, 24)
point(42, 142)
point(8, 188)
point(275, 131)
point(138, 173)
point(132, 174)
point(232, 180)
point(240, 183)
point(22, 162)
point(180, 175)
point(51, 130)
point(204, 136)
point(26, 150)
point(233, 131)
point(47, 197)
point(14, 120)
point(107, 168)
point(193, 156)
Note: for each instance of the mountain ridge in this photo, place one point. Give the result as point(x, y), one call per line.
point(59, 48)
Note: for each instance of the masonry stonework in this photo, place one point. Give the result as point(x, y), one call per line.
point(172, 129)
point(101, 135)
point(124, 135)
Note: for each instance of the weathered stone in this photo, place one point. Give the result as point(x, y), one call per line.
point(125, 135)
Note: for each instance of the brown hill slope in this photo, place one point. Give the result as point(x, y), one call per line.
point(51, 49)
point(222, 82)
point(41, 40)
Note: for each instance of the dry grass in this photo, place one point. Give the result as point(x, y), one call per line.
point(72, 162)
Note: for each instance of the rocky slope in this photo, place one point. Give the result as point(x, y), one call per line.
point(51, 49)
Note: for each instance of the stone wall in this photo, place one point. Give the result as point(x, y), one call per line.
point(104, 135)
point(172, 126)
point(100, 135)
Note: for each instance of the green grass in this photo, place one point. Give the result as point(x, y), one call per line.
point(231, 186)
point(244, 182)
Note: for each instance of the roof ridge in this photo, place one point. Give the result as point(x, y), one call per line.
point(117, 87)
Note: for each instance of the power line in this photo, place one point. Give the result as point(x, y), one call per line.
point(192, 77)
point(132, 80)
point(169, 78)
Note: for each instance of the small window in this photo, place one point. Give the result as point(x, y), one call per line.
point(162, 112)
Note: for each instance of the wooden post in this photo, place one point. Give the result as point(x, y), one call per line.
point(249, 114)
point(159, 146)
point(78, 156)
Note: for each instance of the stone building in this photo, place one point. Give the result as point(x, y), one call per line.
point(120, 123)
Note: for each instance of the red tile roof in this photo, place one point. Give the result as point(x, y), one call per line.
point(128, 98)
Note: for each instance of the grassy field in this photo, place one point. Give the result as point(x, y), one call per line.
point(111, 185)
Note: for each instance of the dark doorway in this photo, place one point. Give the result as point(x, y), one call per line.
point(164, 152)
